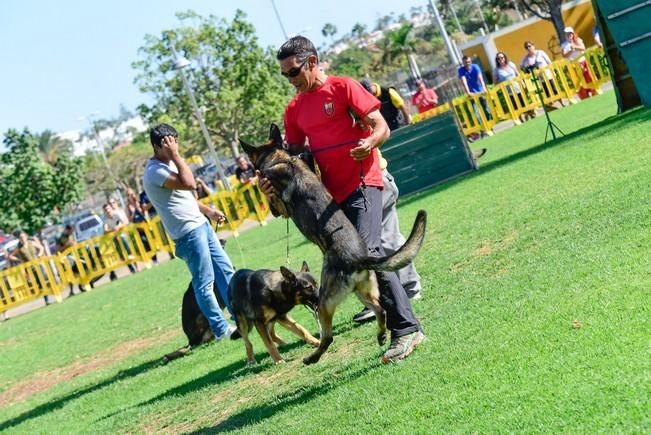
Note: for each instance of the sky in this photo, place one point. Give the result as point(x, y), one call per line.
point(65, 59)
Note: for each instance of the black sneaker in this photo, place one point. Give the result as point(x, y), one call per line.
point(401, 347)
point(364, 316)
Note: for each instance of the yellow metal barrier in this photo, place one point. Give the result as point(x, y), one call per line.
point(562, 80)
point(93, 258)
point(472, 115)
point(430, 113)
point(32, 280)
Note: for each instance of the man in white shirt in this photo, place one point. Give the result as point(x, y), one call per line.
point(169, 183)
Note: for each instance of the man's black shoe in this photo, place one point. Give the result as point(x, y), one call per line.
point(364, 316)
point(236, 334)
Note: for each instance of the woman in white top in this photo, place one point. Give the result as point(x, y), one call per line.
point(506, 70)
point(535, 59)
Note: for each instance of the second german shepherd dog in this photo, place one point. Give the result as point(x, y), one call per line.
point(261, 298)
point(347, 267)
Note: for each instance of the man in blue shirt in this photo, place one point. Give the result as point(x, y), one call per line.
point(473, 83)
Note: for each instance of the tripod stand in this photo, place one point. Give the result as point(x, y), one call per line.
point(550, 124)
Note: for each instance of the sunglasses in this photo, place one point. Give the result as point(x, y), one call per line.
point(528, 46)
point(294, 71)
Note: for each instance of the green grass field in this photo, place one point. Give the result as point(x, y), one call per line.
point(536, 306)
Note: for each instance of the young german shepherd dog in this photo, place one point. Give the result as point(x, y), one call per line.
point(262, 297)
point(347, 267)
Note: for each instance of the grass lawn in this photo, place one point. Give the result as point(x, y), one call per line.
point(536, 306)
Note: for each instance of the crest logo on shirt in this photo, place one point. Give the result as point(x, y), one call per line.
point(329, 108)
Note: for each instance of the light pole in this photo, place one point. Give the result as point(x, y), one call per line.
point(179, 64)
point(444, 33)
point(279, 20)
point(100, 144)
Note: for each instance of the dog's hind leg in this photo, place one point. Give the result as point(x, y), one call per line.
point(296, 328)
point(266, 339)
point(368, 293)
point(244, 328)
point(272, 332)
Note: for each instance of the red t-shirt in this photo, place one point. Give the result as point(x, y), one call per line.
point(419, 100)
point(324, 117)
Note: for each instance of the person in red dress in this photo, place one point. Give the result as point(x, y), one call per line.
point(425, 98)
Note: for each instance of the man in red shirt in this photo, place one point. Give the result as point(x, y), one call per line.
point(329, 111)
point(424, 98)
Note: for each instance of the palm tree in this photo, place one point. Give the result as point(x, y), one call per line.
point(50, 146)
point(397, 43)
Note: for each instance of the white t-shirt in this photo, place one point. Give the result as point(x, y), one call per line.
point(118, 219)
point(178, 209)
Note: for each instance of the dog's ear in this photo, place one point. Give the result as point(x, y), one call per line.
point(250, 150)
point(287, 274)
point(274, 135)
point(305, 267)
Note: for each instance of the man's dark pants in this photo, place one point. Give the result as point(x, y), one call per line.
point(364, 209)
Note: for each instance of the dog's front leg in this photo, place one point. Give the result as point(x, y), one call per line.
point(325, 318)
point(266, 339)
point(244, 327)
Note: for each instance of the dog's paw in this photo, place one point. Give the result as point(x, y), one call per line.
point(382, 338)
point(315, 343)
point(310, 359)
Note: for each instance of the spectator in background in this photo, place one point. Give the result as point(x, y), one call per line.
point(573, 49)
point(29, 249)
point(392, 104)
point(473, 82)
point(136, 215)
point(115, 220)
point(506, 70)
point(597, 38)
point(536, 59)
point(203, 191)
point(245, 172)
point(425, 98)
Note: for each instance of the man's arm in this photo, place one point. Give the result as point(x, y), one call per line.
point(465, 85)
point(184, 180)
point(380, 134)
point(399, 104)
point(211, 213)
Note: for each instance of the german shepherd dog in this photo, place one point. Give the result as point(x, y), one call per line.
point(347, 267)
point(194, 323)
point(260, 298)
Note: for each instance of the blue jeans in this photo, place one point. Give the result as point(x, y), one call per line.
point(208, 263)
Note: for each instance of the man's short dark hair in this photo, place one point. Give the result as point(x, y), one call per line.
point(298, 46)
point(157, 133)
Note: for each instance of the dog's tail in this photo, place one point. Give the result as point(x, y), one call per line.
point(405, 254)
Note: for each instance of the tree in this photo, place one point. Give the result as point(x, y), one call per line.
point(358, 30)
point(329, 30)
point(549, 10)
point(50, 145)
point(32, 190)
point(237, 83)
point(397, 45)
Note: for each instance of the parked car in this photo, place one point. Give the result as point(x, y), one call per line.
point(5, 249)
point(89, 227)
